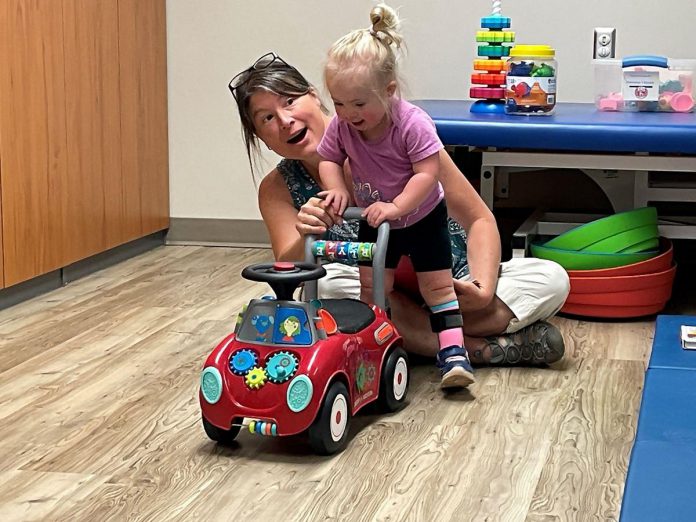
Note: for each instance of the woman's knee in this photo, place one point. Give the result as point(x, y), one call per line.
point(558, 282)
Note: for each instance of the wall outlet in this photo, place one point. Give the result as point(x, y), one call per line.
point(604, 42)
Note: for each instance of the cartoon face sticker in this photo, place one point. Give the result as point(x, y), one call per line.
point(263, 325)
point(290, 327)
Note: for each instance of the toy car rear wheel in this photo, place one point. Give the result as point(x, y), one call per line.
point(329, 432)
point(393, 386)
point(219, 435)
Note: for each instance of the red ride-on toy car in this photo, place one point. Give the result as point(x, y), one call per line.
point(292, 366)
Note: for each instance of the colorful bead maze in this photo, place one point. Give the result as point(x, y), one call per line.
point(488, 82)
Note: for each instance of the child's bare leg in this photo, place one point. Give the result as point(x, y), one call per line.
point(446, 321)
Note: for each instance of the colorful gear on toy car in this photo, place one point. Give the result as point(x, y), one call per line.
point(256, 378)
point(242, 361)
point(360, 377)
point(281, 366)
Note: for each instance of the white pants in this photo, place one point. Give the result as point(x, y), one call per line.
point(534, 289)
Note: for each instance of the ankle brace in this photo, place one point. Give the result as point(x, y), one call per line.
point(445, 320)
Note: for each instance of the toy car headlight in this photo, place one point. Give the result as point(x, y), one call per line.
point(299, 393)
point(211, 384)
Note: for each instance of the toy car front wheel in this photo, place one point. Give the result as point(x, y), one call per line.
point(393, 385)
point(329, 432)
point(219, 435)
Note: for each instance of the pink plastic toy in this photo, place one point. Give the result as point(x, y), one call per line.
point(681, 101)
point(611, 102)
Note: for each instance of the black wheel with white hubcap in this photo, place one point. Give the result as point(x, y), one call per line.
point(329, 432)
point(393, 385)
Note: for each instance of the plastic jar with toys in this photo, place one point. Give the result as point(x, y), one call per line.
point(531, 80)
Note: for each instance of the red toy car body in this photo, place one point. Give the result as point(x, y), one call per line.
point(288, 402)
point(292, 366)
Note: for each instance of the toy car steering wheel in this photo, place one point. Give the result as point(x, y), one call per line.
point(284, 277)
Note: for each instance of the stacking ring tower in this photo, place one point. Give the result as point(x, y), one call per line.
point(488, 80)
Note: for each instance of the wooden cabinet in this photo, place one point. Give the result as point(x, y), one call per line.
point(93, 210)
point(32, 137)
point(145, 149)
point(83, 129)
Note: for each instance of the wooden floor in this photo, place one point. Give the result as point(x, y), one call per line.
point(100, 417)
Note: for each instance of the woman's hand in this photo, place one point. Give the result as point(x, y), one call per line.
point(472, 296)
point(316, 217)
point(379, 212)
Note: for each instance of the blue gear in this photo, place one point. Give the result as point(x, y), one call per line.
point(281, 366)
point(495, 22)
point(242, 361)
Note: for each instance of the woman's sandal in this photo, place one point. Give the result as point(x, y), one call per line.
point(455, 368)
point(537, 344)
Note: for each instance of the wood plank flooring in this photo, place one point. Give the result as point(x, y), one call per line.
point(99, 417)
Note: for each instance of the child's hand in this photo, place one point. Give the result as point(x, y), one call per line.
point(316, 217)
point(379, 212)
point(338, 198)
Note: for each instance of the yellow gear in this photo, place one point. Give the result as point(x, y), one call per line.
point(256, 378)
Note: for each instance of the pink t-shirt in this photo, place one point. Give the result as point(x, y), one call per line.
point(381, 168)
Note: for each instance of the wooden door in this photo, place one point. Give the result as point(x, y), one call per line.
point(145, 151)
point(93, 204)
point(2, 270)
point(32, 137)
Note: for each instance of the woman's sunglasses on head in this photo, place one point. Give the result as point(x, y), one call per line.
point(263, 62)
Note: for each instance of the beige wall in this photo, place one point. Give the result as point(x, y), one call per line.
point(210, 40)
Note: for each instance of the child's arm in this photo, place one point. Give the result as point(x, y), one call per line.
point(419, 186)
point(336, 192)
point(416, 190)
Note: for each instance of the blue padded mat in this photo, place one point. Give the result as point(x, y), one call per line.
point(666, 350)
point(660, 483)
point(668, 407)
point(573, 127)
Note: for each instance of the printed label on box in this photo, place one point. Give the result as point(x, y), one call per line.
point(533, 91)
point(641, 85)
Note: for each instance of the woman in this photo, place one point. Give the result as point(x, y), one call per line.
point(504, 306)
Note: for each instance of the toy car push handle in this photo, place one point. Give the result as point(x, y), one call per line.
point(345, 250)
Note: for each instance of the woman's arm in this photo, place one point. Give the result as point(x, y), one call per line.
point(466, 207)
point(280, 217)
point(286, 225)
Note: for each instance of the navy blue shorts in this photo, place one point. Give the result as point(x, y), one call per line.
point(426, 242)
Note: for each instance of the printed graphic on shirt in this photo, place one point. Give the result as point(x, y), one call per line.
point(365, 195)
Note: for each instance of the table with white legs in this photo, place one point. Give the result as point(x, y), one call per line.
point(618, 150)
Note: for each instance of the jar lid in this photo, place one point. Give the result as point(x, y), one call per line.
point(533, 50)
